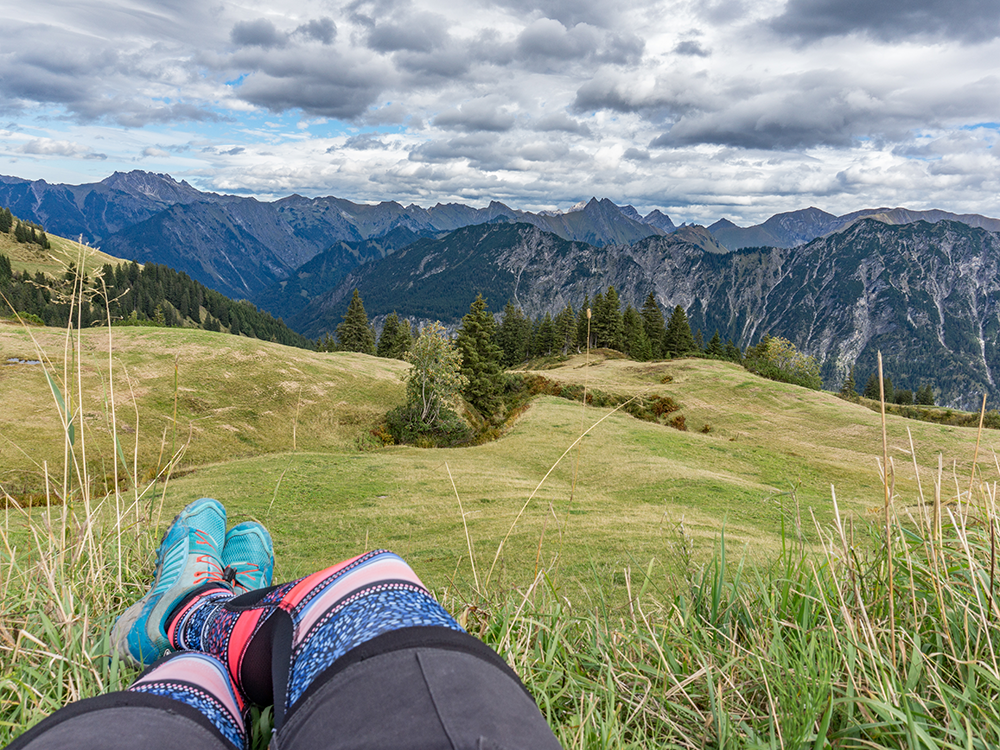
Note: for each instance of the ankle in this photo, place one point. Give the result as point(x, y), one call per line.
point(187, 622)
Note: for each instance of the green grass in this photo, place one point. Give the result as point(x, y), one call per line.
point(611, 594)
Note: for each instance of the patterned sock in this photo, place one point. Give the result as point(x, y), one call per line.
point(200, 681)
point(276, 641)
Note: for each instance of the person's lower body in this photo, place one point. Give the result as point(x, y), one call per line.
point(359, 655)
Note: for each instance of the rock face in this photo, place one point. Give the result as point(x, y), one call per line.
point(926, 295)
point(242, 246)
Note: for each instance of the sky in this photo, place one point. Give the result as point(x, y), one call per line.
point(720, 108)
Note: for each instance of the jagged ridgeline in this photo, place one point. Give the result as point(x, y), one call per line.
point(926, 295)
point(152, 295)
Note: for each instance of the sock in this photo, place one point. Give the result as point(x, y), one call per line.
point(277, 641)
point(200, 681)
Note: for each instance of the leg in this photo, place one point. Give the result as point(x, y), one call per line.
point(361, 655)
point(186, 700)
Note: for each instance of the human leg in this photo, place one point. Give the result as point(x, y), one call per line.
point(186, 700)
point(361, 655)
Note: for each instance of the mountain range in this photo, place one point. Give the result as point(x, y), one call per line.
point(918, 285)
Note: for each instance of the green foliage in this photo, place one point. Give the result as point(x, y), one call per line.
point(715, 347)
point(777, 358)
point(607, 327)
point(565, 325)
point(6, 274)
point(652, 320)
point(678, 339)
point(637, 344)
point(436, 378)
point(396, 337)
point(583, 321)
point(6, 220)
point(481, 360)
point(903, 396)
point(513, 336)
point(849, 390)
point(872, 390)
point(924, 395)
point(354, 333)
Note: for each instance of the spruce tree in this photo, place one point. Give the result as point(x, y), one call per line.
point(565, 323)
point(354, 333)
point(849, 390)
point(6, 220)
point(403, 341)
point(678, 339)
point(390, 329)
point(733, 352)
point(924, 395)
point(652, 320)
point(6, 274)
point(637, 344)
point(544, 340)
point(513, 336)
point(715, 348)
point(480, 360)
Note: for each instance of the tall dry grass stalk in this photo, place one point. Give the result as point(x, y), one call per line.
point(68, 567)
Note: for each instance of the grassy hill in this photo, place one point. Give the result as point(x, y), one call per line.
point(54, 260)
point(274, 432)
point(611, 594)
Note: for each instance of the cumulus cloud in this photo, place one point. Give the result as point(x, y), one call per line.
point(257, 33)
point(889, 20)
point(480, 114)
point(52, 147)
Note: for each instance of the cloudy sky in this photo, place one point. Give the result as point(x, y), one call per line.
point(736, 108)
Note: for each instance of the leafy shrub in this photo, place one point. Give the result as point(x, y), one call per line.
point(776, 358)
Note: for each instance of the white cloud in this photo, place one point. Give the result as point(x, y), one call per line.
point(731, 107)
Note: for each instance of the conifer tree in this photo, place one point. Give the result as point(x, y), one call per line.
point(403, 341)
point(699, 341)
point(678, 339)
point(390, 329)
point(565, 324)
point(849, 389)
point(354, 333)
point(637, 345)
point(6, 274)
point(513, 336)
point(652, 320)
point(480, 360)
point(924, 395)
point(6, 220)
point(544, 339)
point(733, 352)
point(715, 348)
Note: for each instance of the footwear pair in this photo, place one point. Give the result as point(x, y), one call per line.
point(196, 553)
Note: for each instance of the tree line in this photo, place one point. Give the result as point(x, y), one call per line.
point(923, 396)
point(152, 295)
point(24, 231)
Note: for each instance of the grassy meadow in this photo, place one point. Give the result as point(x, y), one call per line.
point(599, 571)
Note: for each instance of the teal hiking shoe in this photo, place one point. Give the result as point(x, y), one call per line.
point(189, 556)
point(248, 557)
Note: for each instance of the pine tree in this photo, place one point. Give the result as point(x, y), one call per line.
point(924, 395)
point(6, 220)
point(652, 321)
point(715, 348)
point(403, 341)
point(565, 323)
point(849, 390)
point(513, 336)
point(637, 345)
point(544, 339)
point(390, 329)
point(699, 342)
point(872, 391)
point(607, 328)
point(354, 333)
point(480, 360)
point(733, 352)
point(678, 339)
point(6, 274)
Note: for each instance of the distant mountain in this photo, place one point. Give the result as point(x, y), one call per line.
point(242, 247)
point(799, 227)
point(926, 295)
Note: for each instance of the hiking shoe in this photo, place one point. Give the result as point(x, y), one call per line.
point(188, 557)
point(248, 557)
